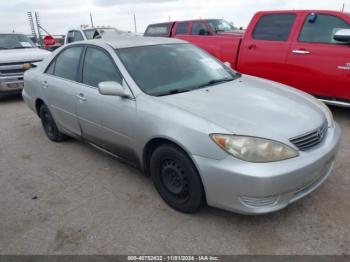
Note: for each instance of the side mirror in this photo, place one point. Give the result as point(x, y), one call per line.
point(342, 35)
point(228, 64)
point(111, 88)
point(204, 32)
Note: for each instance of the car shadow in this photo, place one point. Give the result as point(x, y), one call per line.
point(10, 98)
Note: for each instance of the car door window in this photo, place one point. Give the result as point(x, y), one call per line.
point(182, 29)
point(99, 67)
point(78, 36)
point(51, 68)
point(199, 28)
point(67, 63)
point(274, 27)
point(70, 37)
point(320, 28)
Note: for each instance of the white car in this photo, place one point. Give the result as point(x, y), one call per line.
point(17, 53)
point(83, 34)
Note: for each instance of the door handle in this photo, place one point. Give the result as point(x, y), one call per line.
point(81, 97)
point(251, 47)
point(301, 52)
point(45, 84)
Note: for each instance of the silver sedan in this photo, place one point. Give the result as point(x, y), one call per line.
point(204, 133)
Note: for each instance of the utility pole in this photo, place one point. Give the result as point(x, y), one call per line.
point(135, 24)
point(31, 23)
point(38, 26)
point(92, 23)
point(343, 9)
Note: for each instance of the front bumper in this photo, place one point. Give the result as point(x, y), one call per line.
point(11, 84)
point(259, 188)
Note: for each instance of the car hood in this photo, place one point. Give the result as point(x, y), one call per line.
point(254, 107)
point(22, 55)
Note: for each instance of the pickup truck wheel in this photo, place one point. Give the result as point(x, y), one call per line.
point(176, 179)
point(49, 125)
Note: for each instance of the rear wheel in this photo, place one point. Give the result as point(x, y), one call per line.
point(176, 179)
point(49, 125)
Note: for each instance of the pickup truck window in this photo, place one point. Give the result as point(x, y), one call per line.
point(182, 28)
point(158, 30)
point(78, 36)
point(220, 25)
point(99, 67)
point(91, 33)
point(274, 27)
point(67, 63)
point(15, 41)
point(199, 28)
point(321, 28)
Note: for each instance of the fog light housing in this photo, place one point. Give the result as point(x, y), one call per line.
point(259, 202)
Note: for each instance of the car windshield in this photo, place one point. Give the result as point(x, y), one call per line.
point(221, 26)
point(98, 32)
point(173, 68)
point(15, 41)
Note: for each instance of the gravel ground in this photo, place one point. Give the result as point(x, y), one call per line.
point(69, 198)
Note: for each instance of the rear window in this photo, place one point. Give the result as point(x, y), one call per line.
point(274, 27)
point(158, 30)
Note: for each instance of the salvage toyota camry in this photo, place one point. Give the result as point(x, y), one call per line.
point(204, 133)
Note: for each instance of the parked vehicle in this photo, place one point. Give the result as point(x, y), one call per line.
point(83, 34)
point(51, 43)
point(204, 132)
point(201, 27)
point(308, 50)
point(17, 53)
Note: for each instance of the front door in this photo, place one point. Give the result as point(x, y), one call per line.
point(317, 64)
point(104, 120)
point(265, 46)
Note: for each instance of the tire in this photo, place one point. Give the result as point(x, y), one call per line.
point(50, 126)
point(176, 179)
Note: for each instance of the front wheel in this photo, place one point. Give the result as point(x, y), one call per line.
point(176, 179)
point(49, 125)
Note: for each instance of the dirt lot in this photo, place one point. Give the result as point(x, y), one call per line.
point(72, 199)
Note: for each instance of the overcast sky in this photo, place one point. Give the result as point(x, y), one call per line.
point(57, 16)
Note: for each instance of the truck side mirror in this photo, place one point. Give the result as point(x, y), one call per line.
point(342, 35)
point(204, 32)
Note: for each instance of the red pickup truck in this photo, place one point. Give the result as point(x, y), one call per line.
point(309, 50)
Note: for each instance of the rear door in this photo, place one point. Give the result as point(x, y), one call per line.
point(59, 84)
point(317, 64)
point(266, 44)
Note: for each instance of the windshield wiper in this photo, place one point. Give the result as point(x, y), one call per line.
point(215, 82)
point(173, 92)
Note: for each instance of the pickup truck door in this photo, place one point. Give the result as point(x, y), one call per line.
point(265, 45)
point(104, 120)
point(59, 84)
point(317, 64)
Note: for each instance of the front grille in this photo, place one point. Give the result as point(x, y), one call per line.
point(310, 139)
point(12, 71)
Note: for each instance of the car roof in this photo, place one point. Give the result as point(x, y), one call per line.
point(135, 41)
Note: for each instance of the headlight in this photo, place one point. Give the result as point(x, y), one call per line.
point(330, 117)
point(253, 149)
